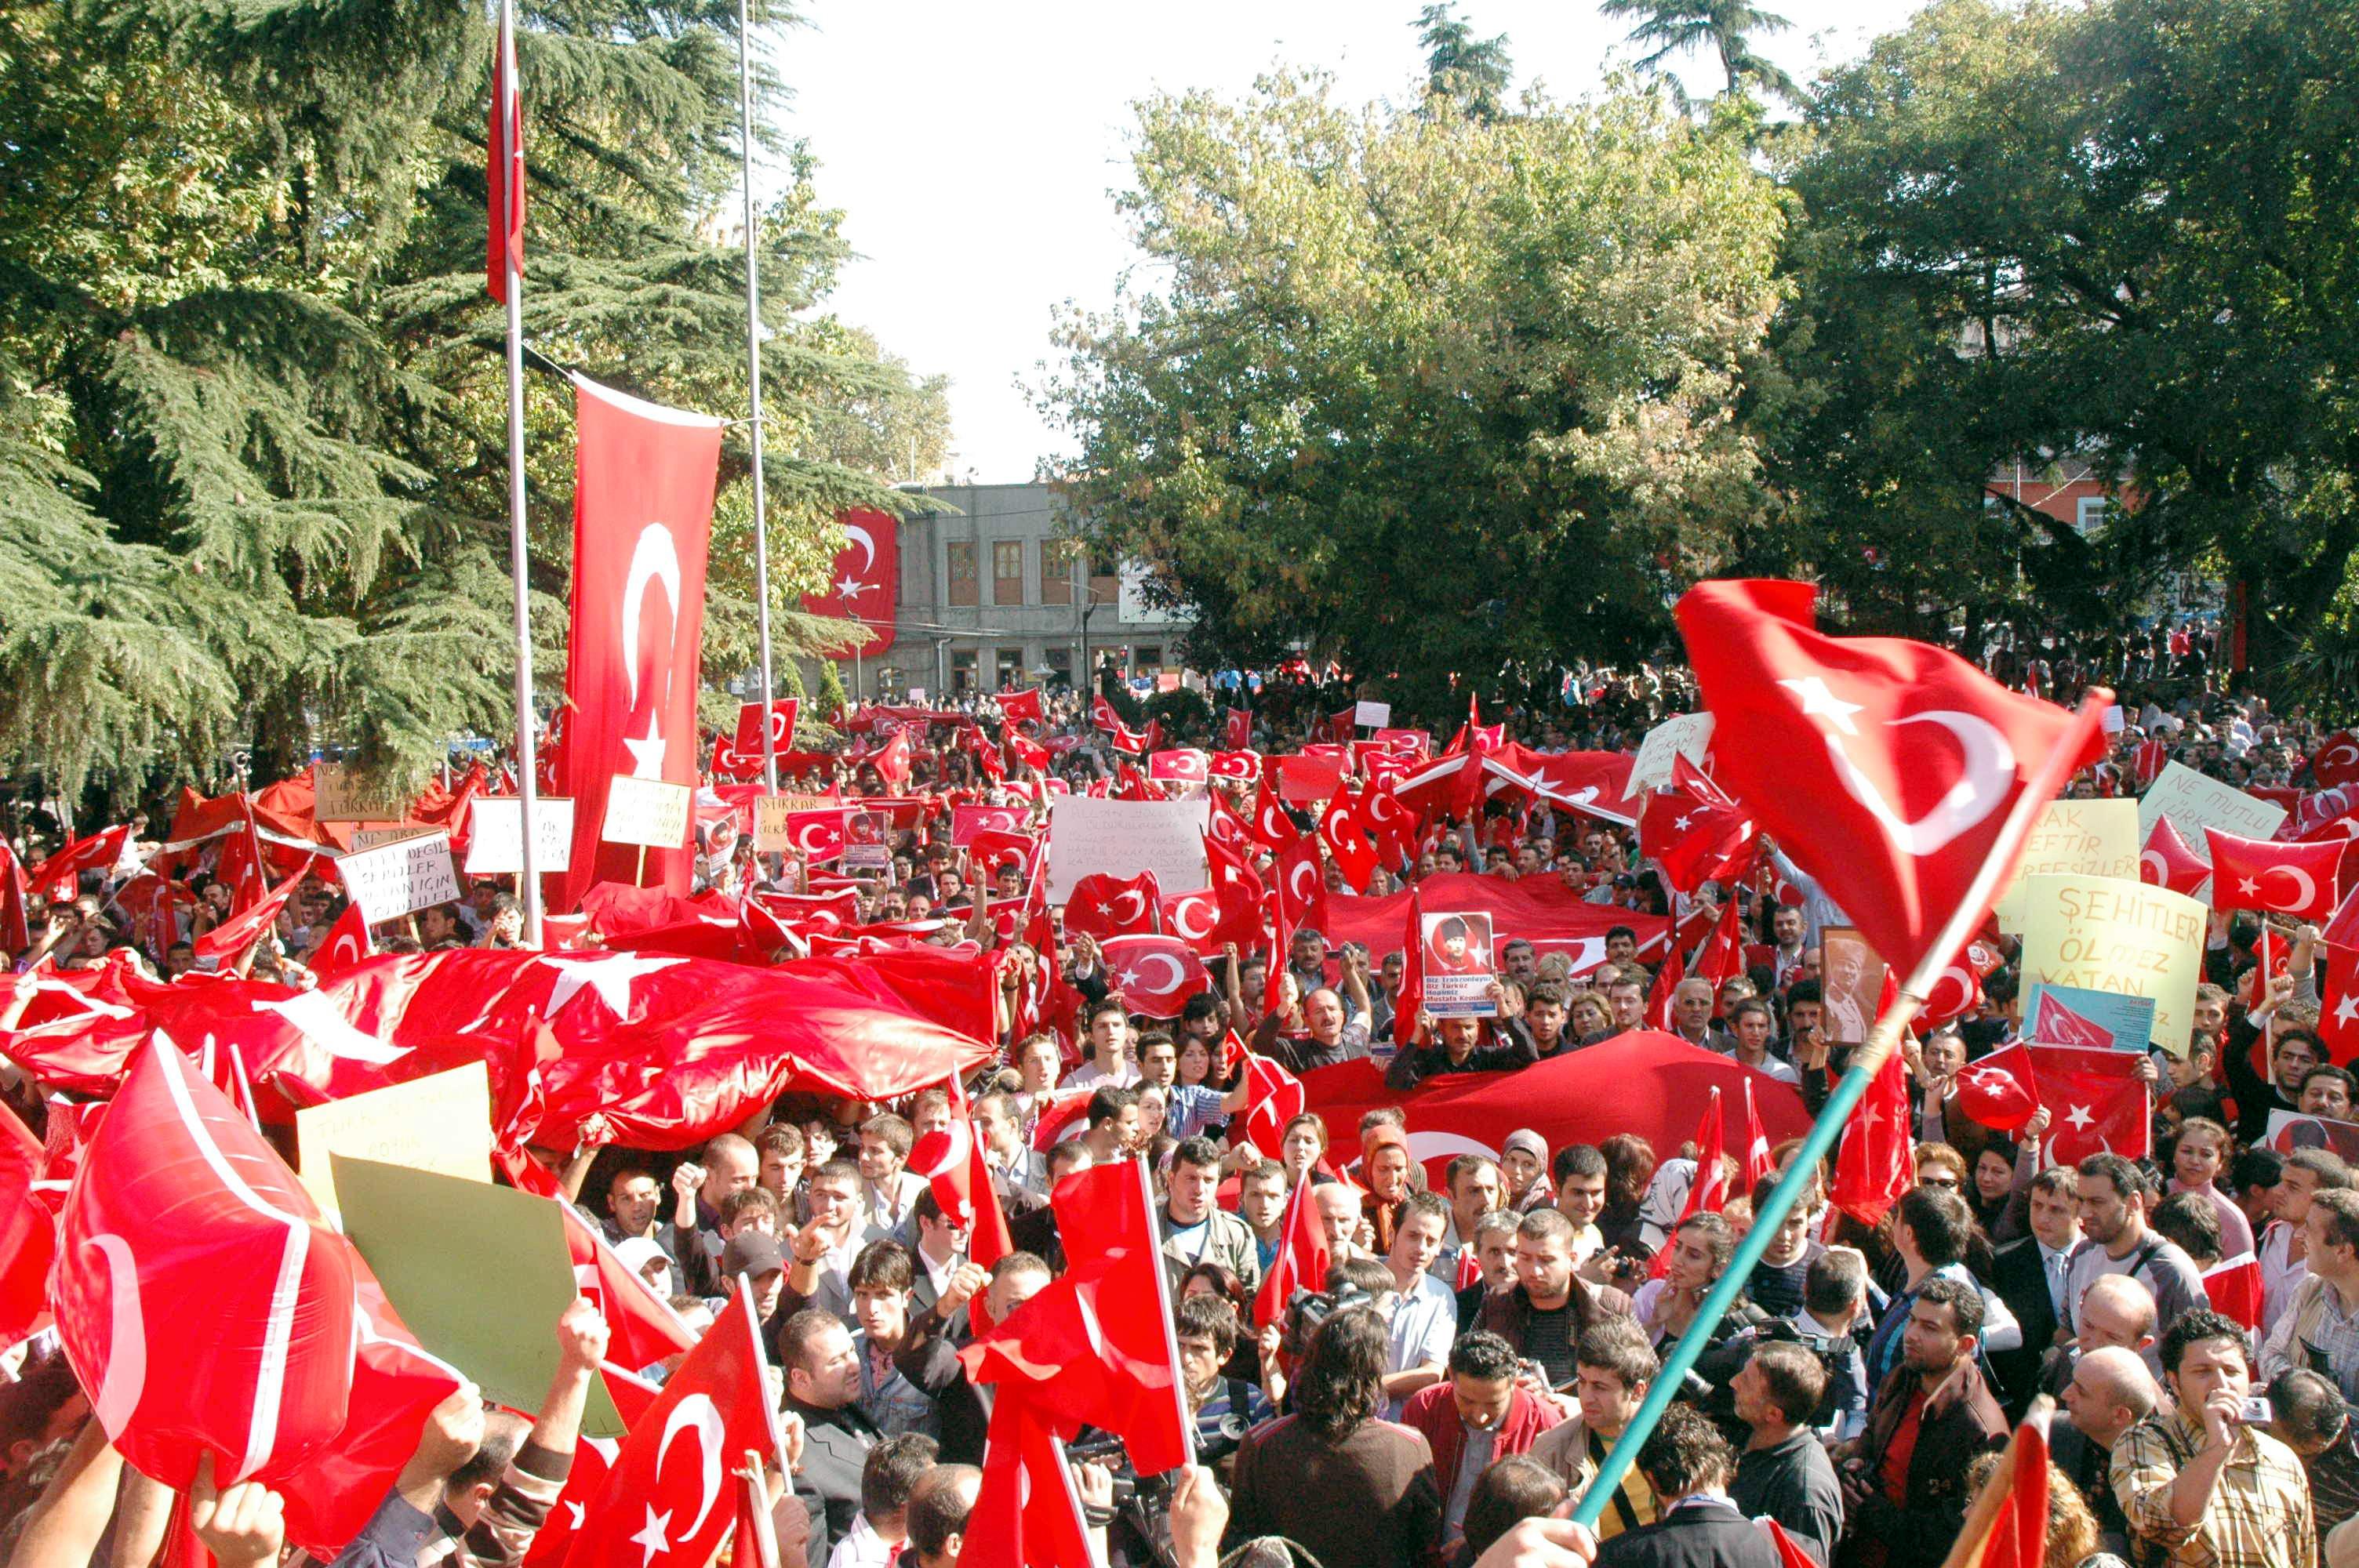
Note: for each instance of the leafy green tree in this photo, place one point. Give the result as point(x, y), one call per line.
point(1472, 73)
point(1723, 28)
point(253, 463)
point(1440, 397)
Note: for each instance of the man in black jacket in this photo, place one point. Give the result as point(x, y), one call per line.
point(928, 1356)
point(2029, 1274)
point(1783, 1471)
point(824, 1387)
point(1458, 1048)
point(1689, 1464)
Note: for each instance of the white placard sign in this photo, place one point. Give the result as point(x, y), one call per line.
point(1124, 837)
point(1371, 715)
point(2194, 802)
point(646, 812)
point(392, 879)
point(377, 837)
point(496, 843)
point(1688, 736)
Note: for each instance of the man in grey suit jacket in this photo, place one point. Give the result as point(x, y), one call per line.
point(824, 1387)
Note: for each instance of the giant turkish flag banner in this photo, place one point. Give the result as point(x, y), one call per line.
point(865, 583)
point(642, 519)
point(1886, 768)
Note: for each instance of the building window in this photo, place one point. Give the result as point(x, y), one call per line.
point(961, 573)
point(1011, 669)
point(1106, 581)
point(1008, 571)
point(1057, 559)
point(962, 672)
point(2089, 515)
point(1148, 657)
point(1060, 667)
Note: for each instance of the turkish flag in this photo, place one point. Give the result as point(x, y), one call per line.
point(1240, 893)
point(59, 876)
point(993, 848)
point(1194, 918)
point(1278, 1098)
point(1183, 765)
point(1155, 974)
point(1235, 767)
point(642, 517)
point(2095, 1102)
point(1667, 981)
point(1709, 1187)
point(1223, 823)
point(2014, 1533)
point(28, 1232)
point(952, 1161)
point(729, 762)
point(1338, 830)
point(1887, 768)
point(2338, 1011)
point(346, 944)
point(1387, 822)
point(504, 169)
point(594, 1460)
point(206, 1307)
point(748, 739)
point(1757, 1162)
point(2336, 761)
point(1104, 905)
point(2327, 814)
point(2146, 762)
point(1956, 991)
point(1026, 1511)
point(1236, 729)
point(2167, 861)
point(1693, 830)
point(1410, 1003)
point(1271, 825)
point(1021, 707)
point(817, 835)
point(2297, 880)
point(1722, 957)
point(2234, 1286)
point(967, 821)
point(1095, 1346)
point(2001, 1090)
point(1877, 1160)
point(666, 1501)
point(865, 583)
point(15, 932)
point(1298, 880)
point(1302, 1258)
point(235, 935)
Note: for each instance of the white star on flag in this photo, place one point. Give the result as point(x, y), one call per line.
point(647, 751)
point(650, 1539)
point(2347, 1010)
point(2246, 885)
point(1129, 977)
point(1819, 702)
point(610, 978)
point(848, 587)
point(2080, 1118)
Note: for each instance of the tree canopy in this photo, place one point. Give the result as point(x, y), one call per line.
point(252, 461)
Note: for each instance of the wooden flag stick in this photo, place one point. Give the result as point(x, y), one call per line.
point(1801, 1173)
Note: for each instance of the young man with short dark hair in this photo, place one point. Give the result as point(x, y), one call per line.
point(2197, 1485)
point(1905, 1488)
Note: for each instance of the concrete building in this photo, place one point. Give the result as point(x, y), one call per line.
point(993, 595)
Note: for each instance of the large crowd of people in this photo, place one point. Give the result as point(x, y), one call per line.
point(1484, 1333)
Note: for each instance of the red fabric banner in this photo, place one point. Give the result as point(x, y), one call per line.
point(865, 581)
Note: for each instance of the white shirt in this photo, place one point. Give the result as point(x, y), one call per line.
point(2279, 1278)
point(2054, 1265)
point(1089, 1075)
point(1784, 1072)
point(861, 1546)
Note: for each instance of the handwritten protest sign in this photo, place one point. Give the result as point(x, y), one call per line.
point(391, 880)
point(1124, 837)
point(2075, 838)
point(496, 843)
point(440, 1123)
point(2194, 803)
point(1371, 715)
point(647, 812)
point(339, 794)
point(379, 836)
point(773, 834)
point(2110, 934)
point(1688, 736)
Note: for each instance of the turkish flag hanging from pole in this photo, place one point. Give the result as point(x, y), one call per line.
point(644, 477)
point(865, 583)
point(504, 172)
point(1888, 769)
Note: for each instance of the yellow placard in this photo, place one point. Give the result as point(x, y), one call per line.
point(2110, 934)
point(441, 1123)
point(2074, 838)
point(338, 794)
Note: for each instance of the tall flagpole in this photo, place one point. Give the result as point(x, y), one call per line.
point(754, 381)
point(527, 768)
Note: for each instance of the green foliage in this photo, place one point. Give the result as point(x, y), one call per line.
point(1724, 28)
point(253, 458)
point(1436, 395)
point(1472, 73)
point(832, 700)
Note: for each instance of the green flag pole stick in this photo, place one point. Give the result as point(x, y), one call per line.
point(1802, 1171)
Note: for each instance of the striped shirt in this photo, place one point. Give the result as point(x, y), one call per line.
point(2258, 1515)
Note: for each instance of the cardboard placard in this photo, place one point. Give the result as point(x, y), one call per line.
point(2291, 1129)
point(443, 1247)
point(1124, 837)
point(2074, 838)
point(646, 812)
point(772, 833)
point(2112, 719)
point(1688, 735)
point(2194, 802)
point(1456, 960)
point(343, 796)
point(1851, 984)
point(1371, 715)
point(379, 836)
point(440, 1123)
point(392, 879)
point(2108, 934)
point(496, 840)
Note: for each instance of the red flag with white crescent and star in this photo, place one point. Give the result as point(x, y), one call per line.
point(1887, 769)
point(1876, 1161)
point(2296, 880)
point(2338, 1012)
point(1021, 707)
point(1236, 729)
point(954, 1162)
point(1339, 829)
point(346, 944)
point(748, 742)
point(1708, 1189)
point(2167, 861)
point(644, 477)
point(1693, 830)
point(2336, 761)
point(1153, 975)
point(2095, 1101)
point(1302, 1257)
point(2001, 1091)
point(864, 582)
point(1278, 1097)
point(1102, 904)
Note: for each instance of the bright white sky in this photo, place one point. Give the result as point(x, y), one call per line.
point(974, 149)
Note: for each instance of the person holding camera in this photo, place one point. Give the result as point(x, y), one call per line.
point(2201, 1484)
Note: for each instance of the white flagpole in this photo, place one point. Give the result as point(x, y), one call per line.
point(754, 381)
point(527, 770)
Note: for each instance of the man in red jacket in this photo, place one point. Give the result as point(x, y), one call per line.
point(1476, 1416)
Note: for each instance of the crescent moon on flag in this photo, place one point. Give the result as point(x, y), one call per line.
point(1181, 908)
point(654, 559)
point(868, 543)
point(1294, 887)
point(2302, 880)
point(2341, 756)
point(1178, 973)
point(698, 1412)
point(1135, 900)
point(127, 1342)
point(1989, 769)
point(2154, 869)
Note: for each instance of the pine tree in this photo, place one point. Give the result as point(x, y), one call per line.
point(832, 702)
point(1475, 72)
point(252, 465)
point(1724, 27)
